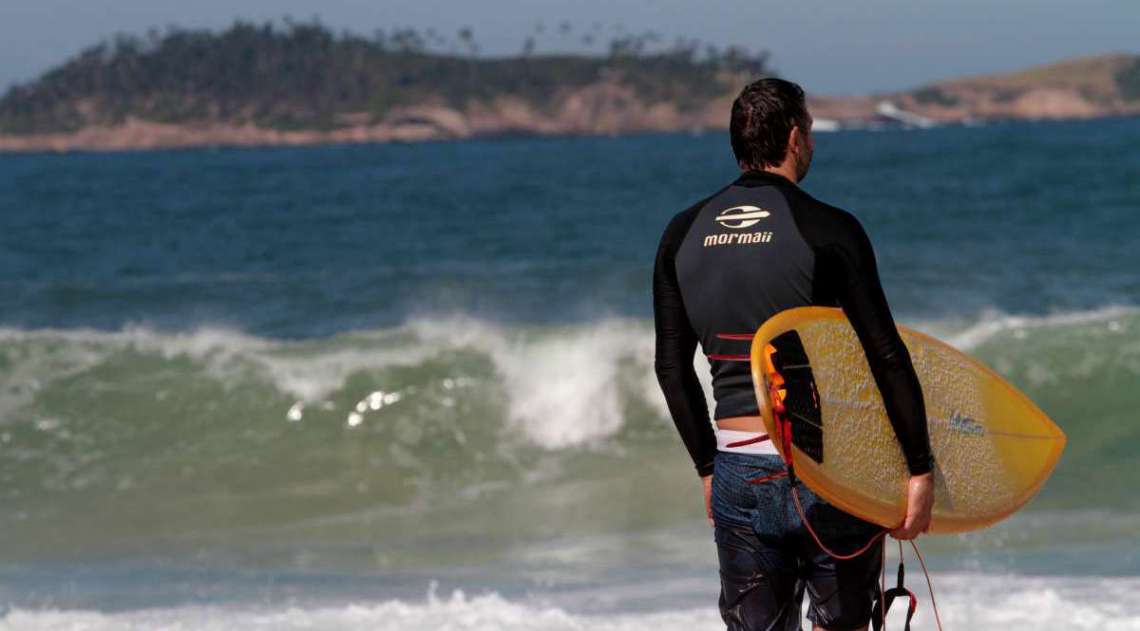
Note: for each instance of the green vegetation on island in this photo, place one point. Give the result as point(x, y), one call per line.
point(1128, 79)
point(294, 83)
point(304, 76)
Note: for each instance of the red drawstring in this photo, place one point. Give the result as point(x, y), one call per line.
point(769, 478)
point(748, 441)
point(739, 337)
point(733, 337)
point(730, 358)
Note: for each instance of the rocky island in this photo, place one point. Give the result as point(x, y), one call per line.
point(303, 84)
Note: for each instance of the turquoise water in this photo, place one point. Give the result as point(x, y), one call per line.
point(231, 380)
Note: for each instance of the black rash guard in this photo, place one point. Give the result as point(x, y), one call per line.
point(753, 249)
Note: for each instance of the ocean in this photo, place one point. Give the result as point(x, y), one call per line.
point(410, 386)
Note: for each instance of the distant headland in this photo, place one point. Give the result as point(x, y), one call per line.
point(300, 83)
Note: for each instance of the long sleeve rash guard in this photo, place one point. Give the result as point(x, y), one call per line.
point(753, 249)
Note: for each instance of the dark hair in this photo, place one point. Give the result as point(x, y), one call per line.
point(762, 117)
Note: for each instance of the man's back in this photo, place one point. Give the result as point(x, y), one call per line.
point(753, 249)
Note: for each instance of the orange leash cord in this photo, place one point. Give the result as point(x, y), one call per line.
point(784, 436)
point(882, 586)
point(831, 553)
point(883, 565)
point(929, 583)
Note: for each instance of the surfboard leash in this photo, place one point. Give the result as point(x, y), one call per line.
point(929, 583)
point(879, 612)
point(882, 587)
point(886, 596)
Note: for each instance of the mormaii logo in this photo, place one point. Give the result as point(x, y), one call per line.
point(739, 217)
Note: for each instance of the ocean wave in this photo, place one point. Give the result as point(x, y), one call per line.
point(334, 434)
point(992, 323)
point(966, 601)
point(562, 386)
point(555, 387)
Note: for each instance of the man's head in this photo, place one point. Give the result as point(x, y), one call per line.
point(771, 128)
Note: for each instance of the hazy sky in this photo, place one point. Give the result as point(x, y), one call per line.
point(830, 46)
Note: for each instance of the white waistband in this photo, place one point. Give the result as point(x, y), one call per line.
point(726, 436)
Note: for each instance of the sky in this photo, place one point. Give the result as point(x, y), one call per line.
point(829, 46)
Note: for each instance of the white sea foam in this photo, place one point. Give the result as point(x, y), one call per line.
point(563, 385)
point(992, 323)
point(967, 602)
point(564, 390)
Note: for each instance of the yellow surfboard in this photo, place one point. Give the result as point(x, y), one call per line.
point(993, 448)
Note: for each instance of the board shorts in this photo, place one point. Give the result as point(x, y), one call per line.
point(768, 558)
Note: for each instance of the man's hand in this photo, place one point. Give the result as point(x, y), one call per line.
point(919, 502)
point(706, 481)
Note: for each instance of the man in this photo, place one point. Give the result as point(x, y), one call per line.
point(710, 288)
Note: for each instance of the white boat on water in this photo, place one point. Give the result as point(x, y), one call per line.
point(892, 112)
point(824, 124)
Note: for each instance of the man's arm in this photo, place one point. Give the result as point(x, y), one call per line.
point(675, 344)
point(861, 296)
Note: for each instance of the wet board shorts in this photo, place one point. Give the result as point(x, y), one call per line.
point(767, 557)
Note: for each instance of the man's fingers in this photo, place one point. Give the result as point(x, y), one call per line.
point(911, 528)
point(706, 481)
point(922, 524)
point(904, 534)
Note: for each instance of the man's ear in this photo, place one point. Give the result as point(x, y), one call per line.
point(794, 139)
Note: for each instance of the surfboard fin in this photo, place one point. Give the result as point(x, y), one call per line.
point(797, 393)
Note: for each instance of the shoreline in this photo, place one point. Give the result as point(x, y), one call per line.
point(598, 110)
point(143, 136)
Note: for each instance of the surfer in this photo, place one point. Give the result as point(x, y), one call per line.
point(711, 289)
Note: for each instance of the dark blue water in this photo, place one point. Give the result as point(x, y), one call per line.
point(1024, 218)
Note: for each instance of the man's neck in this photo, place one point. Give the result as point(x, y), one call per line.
point(787, 170)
